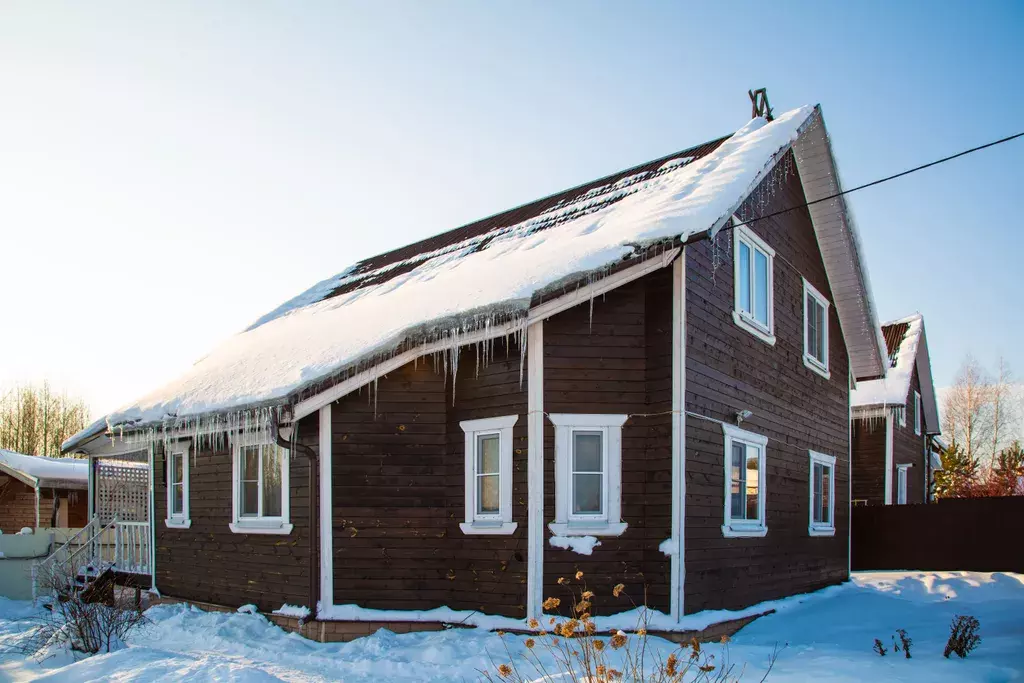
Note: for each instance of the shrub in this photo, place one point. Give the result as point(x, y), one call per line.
point(879, 648)
point(905, 640)
point(963, 637)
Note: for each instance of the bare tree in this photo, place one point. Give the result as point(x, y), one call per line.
point(967, 415)
point(1004, 410)
point(36, 421)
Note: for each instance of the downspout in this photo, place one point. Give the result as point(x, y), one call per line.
point(311, 460)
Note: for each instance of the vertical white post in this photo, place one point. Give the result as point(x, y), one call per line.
point(535, 470)
point(151, 528)
point(888, 458)
point(326, 516)
point(37, 505)
point(677, 564)
point(849, 477)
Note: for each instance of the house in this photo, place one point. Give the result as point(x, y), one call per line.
point(895, 430)
point(37, 492)
point(645, 378)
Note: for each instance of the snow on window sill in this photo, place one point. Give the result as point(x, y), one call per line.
point(178, 523)
point(587, 528)
point(581, 545)
point(488, 528)
point(254, 527)
point(821, 531)
point(736, 531)
point(814, 365)
point(753, 329)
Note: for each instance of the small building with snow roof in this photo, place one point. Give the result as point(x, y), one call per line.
point(645, 378)
point(896, 422)
point(37, 492)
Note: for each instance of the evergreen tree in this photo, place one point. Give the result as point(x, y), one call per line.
point(958, 477)
point(1008, 473)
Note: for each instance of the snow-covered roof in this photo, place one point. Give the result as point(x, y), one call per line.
point(67, 472)
point(469, 278)
point(907, 347)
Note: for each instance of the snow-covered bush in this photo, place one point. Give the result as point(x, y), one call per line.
point(963, 636)
point(580, 653)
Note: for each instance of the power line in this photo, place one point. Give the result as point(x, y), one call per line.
point(880, 180)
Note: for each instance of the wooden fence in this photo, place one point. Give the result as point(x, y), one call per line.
point(971, 534)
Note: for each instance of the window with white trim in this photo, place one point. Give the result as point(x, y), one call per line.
point(753, 284)
point(822, 495)
point(815, 330)
point(176, 456)
point(260, 496)
point(588, 479)
point(745, 454)
point(917, 413)
point(901, 484)
point(488, 462)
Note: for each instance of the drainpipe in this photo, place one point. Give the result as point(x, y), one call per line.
point(293, 445)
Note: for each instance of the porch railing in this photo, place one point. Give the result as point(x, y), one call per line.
point(131, 547)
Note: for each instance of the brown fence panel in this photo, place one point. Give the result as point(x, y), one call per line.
point(970, 534)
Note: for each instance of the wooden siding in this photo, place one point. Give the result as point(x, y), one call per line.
point(869, 461)
point(728, 370)
point(617, 359)
point(398, 487)
point(18, 506)
point(210, 563)
point(908, 448)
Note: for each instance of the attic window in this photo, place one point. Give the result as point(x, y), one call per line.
point(815, 330)
point(917, 413)
point(753, 284)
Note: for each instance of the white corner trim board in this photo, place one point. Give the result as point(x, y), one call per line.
point(677, 543)
point(325, 457)
point(478, 519)
point(535, 470)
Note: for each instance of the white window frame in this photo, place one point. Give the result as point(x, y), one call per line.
point(902, 477)
point(609, 522)
point(917, 413)
point(501, 523)
point(742, 318)
point(745, 528)
point(818, 366)
point(181, 520)
point(820, 528)
point(260, 524)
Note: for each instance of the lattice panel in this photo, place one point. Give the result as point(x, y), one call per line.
point(122, 490)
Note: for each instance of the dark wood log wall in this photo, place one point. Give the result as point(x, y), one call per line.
point(617, 360)
point(728, 370)
point(908, 448)
point(210, 563)
point(869, 461)
point(398, 461)
point(18, 507)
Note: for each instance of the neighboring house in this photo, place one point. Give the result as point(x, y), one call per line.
point(896, 422)
point(617, 379)
point(41, 493)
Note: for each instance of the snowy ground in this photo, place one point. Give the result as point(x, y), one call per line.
point(828, 634)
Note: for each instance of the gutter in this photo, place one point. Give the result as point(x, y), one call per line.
point(293, 445)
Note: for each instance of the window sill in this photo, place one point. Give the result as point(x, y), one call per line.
point(178, 523)
point(816, 367)
point(753, 329)
point(744, 532)
point(821, 531)
point(280, 528)
point(488, 528)
point(587, 529)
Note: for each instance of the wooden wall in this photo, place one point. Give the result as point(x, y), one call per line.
point(869, 461)
point(18, 507)
point(398, 478)
point(210, 563)
point(908, 448)
point(728, 370)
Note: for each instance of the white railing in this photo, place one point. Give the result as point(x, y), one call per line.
point(81, 550)
point(131, 547)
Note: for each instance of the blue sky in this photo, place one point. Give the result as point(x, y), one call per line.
point(170, 172)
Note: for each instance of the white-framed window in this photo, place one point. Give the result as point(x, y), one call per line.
point(588, 475)
point(917, 413)
point(815, 330)
point(259, 482)
point(822, 495)
point(177, 462)
point(745, 483)
point(488, 490)
point(901, 483)
point(754, 308)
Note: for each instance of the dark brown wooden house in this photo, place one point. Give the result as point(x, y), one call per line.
point(645, 378)
point(896, 422)
point(41, 493)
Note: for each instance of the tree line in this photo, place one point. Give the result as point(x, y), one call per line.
point(36, 420)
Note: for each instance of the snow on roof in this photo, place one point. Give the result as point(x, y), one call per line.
point(902, 339)
point(464, 285)
point(46, 469)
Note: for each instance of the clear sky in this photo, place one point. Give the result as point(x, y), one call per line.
point(171, 171)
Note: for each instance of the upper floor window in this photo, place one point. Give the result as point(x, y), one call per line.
point(754, 280)
point(917, 413)
point(901, 484)
point(177, 485)
point(745, 454)
point(488, 463)
point(260, 502)
point(815, 330)
point(588, 483)
point(822, 495)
